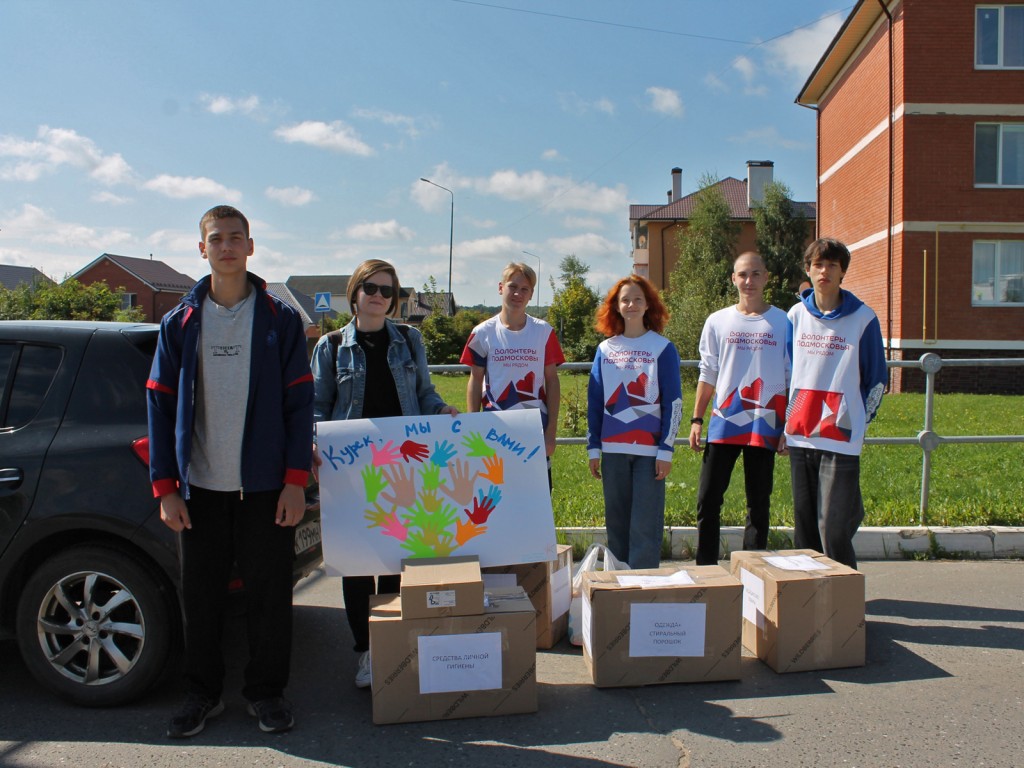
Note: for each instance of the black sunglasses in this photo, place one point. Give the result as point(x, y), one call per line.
point(370, 289)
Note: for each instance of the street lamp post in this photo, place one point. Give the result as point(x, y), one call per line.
point(538, 276)
point(451, 242)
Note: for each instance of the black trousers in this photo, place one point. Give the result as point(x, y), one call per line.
point(715, 473)
point(227, 529)
point(356, 591)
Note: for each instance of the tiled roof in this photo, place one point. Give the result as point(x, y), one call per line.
point(154, 273)
point(300, 302)
point(336, 285)
point(735, 193)
point(11, 277)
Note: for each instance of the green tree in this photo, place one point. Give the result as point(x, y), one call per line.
point(445, 335)
point(572, 311)
point(699, 283)
point(69, 300)
point(781, 235)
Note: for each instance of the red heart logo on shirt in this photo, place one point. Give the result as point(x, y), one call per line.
point(638, 387)
point(525, 384)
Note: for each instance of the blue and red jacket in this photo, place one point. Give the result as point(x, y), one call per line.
point(278, 440)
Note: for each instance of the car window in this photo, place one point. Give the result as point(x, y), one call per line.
point(36, 369)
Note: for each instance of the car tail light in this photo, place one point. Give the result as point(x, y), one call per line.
point(141, 448)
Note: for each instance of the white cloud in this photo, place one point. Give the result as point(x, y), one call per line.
point(574, 103)
point(768, 136)
point(666, 101)
point(748, 71)
point(379, 230)
point(798, 52)
point(411, 126)
point(226, 105)
point(184, 187)
point(36, 225)
point(715, 83)
point(336, 137)
point(583, 222)
point(551, 154)
point(110, 198)
point(558, 193)
point(290, 196)
point(56, 147)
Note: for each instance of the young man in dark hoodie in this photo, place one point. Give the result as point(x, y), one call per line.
point(230, 435)
point(839, 375)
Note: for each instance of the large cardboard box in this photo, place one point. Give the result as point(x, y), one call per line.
point(801, 610)
point(456, 666)
point(549, 587)
point(442, 586)
point(664, 625)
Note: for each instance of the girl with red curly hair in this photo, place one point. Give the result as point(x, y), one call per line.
point(634, 406)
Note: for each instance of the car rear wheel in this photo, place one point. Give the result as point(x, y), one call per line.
point(94, 626)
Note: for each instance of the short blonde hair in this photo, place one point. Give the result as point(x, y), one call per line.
point(518, 266)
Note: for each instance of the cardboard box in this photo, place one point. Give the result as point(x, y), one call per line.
point(442, 586)
point(453, 667)
point(663, 630)
point(549, 587)
point(801, 610)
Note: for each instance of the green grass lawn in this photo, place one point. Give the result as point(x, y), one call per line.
point(970, 484)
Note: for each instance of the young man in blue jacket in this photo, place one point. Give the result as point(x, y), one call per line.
point(230, 434)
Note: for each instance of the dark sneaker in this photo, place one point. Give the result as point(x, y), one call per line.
point(275, 714)
point(192, 716)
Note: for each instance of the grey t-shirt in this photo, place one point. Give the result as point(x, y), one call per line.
point(222, 394)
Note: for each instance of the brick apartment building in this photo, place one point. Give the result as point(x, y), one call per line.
point(920, 112)
point(655, 229)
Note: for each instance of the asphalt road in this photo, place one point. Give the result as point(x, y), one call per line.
point(943, 686)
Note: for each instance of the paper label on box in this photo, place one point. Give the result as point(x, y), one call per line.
point(753, 598)
point(667, 629)
point(654, 582)
point(561, 592)
point(469, 662)
point(493, 580)
point(796, 563)
point(442, 598)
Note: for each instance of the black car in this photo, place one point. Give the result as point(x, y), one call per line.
point(88, 572)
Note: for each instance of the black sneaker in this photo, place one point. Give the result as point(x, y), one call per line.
point(192, 716)
point(275, 714)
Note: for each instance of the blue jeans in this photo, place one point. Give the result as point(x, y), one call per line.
point(827, 505)
point(634, 508)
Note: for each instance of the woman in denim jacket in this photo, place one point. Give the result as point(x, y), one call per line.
point(371, 368)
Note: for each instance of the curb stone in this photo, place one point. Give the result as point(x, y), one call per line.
point(871, 543)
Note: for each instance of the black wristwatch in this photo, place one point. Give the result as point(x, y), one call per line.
point(697, 420)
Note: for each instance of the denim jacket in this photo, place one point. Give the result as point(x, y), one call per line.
point(339, 385)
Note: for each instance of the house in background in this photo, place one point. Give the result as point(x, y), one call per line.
point(148, 284)
point(654, 229)
point(412, 306)
point(920, 112)
point(11, 277)
point(336, 285)
point(306, 307)
point(424, 303)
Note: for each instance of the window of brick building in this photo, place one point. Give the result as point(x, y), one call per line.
point(129, 300)
point(998, 272)
point(999, 154)
point(999, 37)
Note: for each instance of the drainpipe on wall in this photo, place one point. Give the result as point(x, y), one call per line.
point(892, 188)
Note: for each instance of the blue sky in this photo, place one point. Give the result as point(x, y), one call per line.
point(123, 121)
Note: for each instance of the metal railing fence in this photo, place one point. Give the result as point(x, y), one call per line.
point(927, 438)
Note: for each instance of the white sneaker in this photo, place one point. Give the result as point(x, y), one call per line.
point(364, 675)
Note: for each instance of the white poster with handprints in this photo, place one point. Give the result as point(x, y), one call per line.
point(434, 486)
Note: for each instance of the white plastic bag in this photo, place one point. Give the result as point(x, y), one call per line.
point(589, 562)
